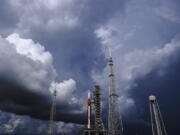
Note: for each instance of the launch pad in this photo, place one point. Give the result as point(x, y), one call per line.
point(115, 126)
point(99, 128)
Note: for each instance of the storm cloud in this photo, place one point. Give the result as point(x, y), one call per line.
point(28, 81)
point(52, 44)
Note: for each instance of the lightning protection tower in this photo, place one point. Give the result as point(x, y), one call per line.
point(52, 124)
point(158, 127)
point(115, 126)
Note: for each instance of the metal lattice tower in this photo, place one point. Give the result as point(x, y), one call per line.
point(158, 127)
point(52, 124)
point(115, 126)
point(97, 104)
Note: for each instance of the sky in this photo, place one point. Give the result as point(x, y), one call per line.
point(63, 45)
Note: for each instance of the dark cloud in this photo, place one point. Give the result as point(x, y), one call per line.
point(73, 45)
point(136, 30)
point(166, 89)
point(26, 81)
point(75, 48)
point(14, 98)
point(99, 12)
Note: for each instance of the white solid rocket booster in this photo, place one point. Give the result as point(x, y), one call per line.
point(89, 110)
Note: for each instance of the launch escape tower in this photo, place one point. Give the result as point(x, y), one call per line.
point(158, 127)
point(115, 126)
point(52, 124)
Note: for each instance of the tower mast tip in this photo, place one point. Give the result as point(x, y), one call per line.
point(110, 54)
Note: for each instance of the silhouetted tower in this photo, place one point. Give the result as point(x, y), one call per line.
point(158, 127)
point(115, 126)
point(52, 124)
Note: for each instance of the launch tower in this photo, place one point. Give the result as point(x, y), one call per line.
point(97, 103)
point(99, 128)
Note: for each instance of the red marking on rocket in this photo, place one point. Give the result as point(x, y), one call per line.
point(89, 99)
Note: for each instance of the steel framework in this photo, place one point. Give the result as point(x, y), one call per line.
point(115, 126)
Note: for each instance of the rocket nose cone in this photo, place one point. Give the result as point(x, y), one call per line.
point(89, 95)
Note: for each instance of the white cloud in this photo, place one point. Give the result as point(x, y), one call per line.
point(105, 33)
point(137, 64)
point(26, 63)
point(114, 35)
point(31, 66)
point(27, 47)
point(64, 89)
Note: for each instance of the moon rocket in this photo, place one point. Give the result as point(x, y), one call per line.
point(89, 110)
